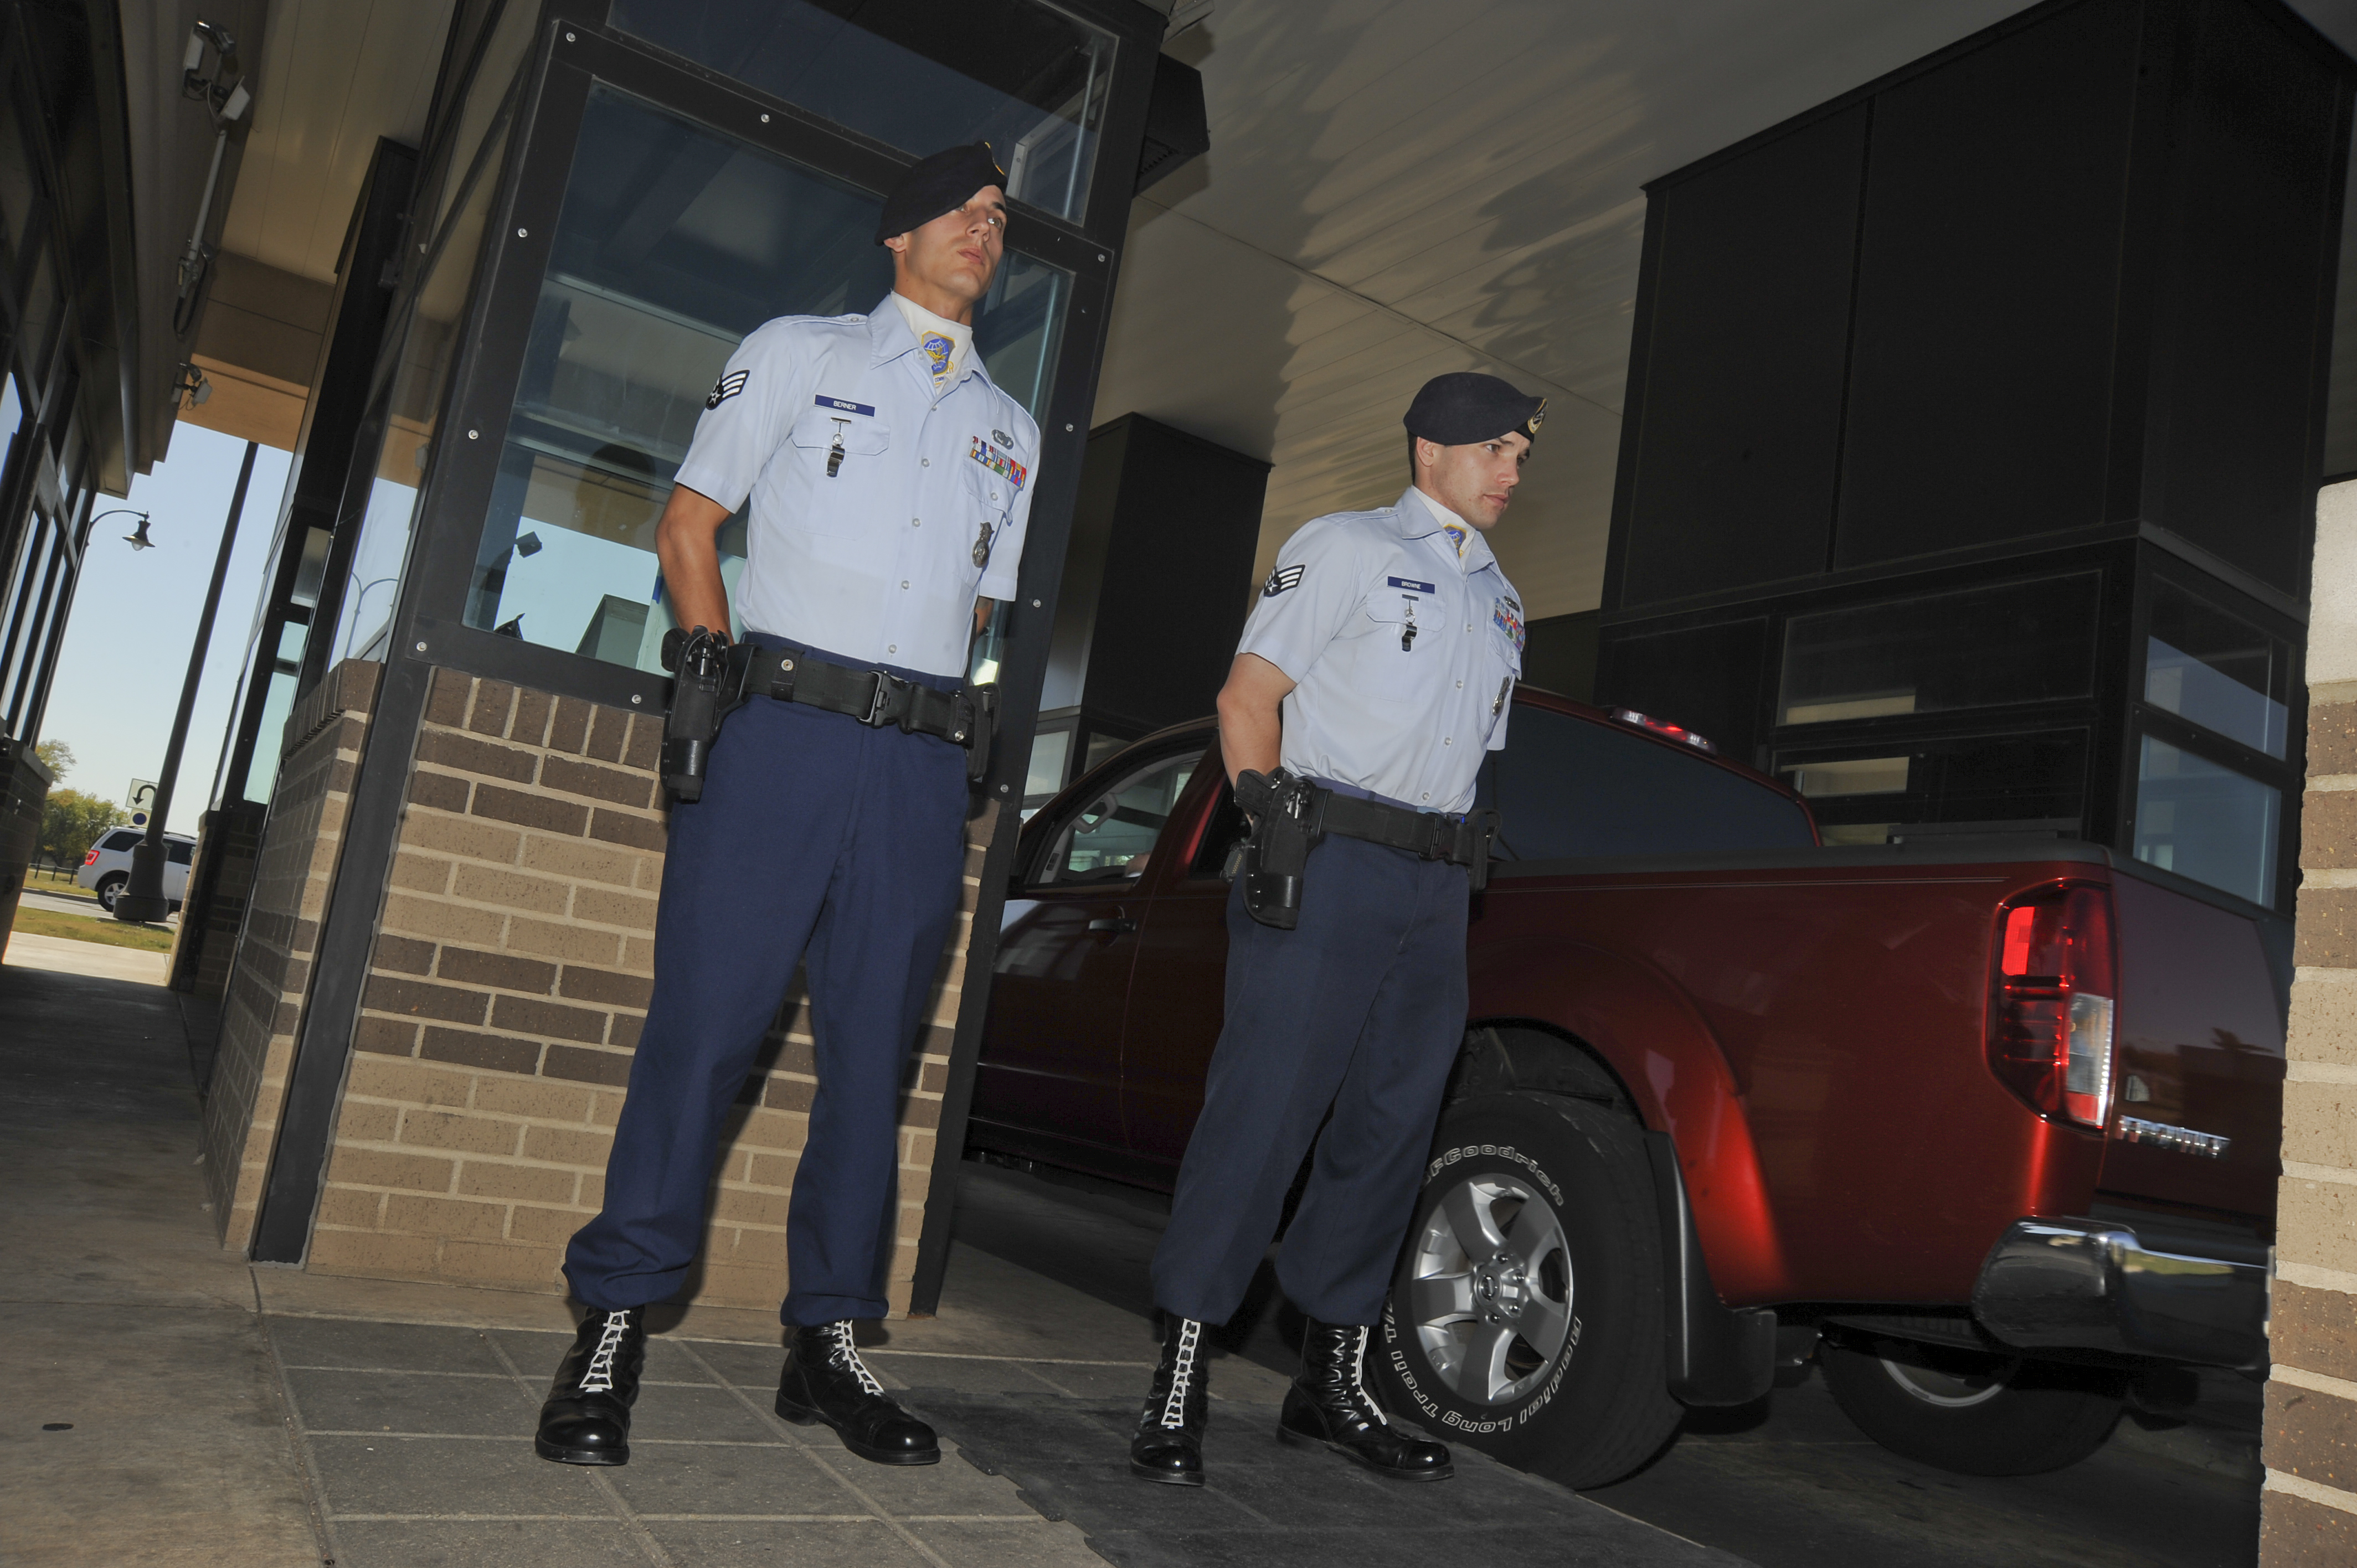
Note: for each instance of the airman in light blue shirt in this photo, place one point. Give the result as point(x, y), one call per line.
point(1402, 639)
point(884, 502)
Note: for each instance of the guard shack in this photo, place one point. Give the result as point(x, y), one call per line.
point(444, 929)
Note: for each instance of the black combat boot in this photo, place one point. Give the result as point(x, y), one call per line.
point(1329, 1403)
point(587, 1417)
point(1168, 1447)
point(825, 1380)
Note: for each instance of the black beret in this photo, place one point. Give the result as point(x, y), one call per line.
point(1466, 406)
point(943, 182)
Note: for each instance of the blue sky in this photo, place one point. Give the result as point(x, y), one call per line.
point(135, 616)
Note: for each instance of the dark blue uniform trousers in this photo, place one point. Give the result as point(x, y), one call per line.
point(1360, 1009)
point(817, 839)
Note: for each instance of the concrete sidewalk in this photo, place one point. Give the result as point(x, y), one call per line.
point(175, 1405)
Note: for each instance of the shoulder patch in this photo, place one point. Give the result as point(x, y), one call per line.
point(727, 387)
point(1281, 579)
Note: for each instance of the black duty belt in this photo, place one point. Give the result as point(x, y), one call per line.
point(874, 697)
point(1459, 840)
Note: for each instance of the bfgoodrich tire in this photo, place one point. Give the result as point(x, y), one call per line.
point(1971, 1411)
point(1526, 1316)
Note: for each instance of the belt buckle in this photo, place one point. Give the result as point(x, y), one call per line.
point(878, 700)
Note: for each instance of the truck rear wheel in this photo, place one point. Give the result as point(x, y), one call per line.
point(1972, 1412)
point(1526, 1316)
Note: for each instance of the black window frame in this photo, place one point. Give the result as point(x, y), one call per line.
point(573, 56)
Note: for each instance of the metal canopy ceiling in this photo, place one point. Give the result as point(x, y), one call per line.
point(335, 75)
point(1395, 188)
point(1400, 188)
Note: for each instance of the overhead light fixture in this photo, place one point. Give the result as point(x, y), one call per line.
point(223, 91)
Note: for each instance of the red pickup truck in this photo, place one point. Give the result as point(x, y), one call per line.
point(1987, 1125)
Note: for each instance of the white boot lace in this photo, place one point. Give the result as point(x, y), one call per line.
point(846, 1354)
point(1359, 1394)
point(1182, 1373)
point(599, 1378)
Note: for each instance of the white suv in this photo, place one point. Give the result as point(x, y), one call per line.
point(106, 869)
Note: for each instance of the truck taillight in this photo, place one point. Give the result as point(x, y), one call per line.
point(2050, 1006)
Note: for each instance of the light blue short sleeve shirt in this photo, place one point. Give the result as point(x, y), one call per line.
point(881, 507)
point(1403, 652)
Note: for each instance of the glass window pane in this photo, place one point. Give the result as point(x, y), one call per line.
point(2205, 822)
point(312, 567)
point(20, 189)
point(12, 420)
point(920, 75)
point(2216, 670)
point(1566, 789)
point(45, 312)
point(408, 410)
point(1111, 838)
point(2021, 642)
point(278, 703)
point(1045, 775)
point(1963, 784)
point(673, 244)
point(486, 94)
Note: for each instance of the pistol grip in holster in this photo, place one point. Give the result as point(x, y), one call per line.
point(1286, 825)
point(701, 698)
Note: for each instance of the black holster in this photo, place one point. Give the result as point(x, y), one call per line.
point(699, 701)
point(1287, 822)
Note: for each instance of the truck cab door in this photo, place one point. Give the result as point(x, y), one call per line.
point(1179, 989)
point(1050, 1076)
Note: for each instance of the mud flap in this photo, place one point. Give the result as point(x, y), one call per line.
point(1716, 1355)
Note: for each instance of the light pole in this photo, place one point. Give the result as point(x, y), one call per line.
point(143, 898)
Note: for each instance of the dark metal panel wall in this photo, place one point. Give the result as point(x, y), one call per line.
point(1731, 483)
point(1987, 292)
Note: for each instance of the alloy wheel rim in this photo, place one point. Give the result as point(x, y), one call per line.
point(1490, 1289)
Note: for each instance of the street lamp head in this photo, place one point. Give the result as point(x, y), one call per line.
point(137, 539)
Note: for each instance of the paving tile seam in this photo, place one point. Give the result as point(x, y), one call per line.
point(512, 1437)
point(307, 1465)
point(1025, 1519)
point(480, 1326)
point(770, 1417)
point(488, 1377)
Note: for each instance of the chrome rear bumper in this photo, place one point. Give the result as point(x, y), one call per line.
point(2063, 1283)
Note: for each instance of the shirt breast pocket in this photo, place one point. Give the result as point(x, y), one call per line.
point(1507, 647)
point(990, 500)
point(838, 498)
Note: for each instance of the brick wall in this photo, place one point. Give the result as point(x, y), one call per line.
point(221, 880)
point(2309, 1507)
point(264, 1001)
point(509, 980)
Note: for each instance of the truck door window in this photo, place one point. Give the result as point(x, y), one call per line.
point(1570, 788)
point(1108, 838)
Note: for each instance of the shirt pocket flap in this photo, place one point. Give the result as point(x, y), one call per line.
point(863, 435)
point(991, 489)
point(1389, 608)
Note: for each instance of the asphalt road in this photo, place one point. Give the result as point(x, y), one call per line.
point(1788, 1482)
